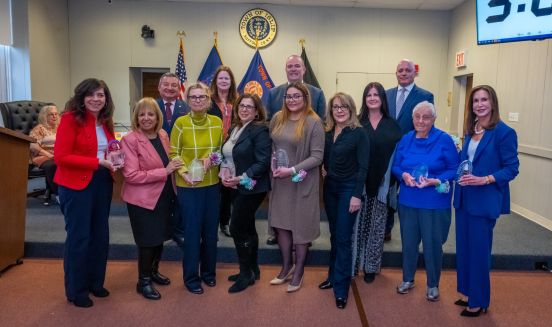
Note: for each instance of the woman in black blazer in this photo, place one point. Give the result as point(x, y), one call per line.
point(245, 170)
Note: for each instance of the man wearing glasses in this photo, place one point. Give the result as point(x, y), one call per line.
point(295, 70)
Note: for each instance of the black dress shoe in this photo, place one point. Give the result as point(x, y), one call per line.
point(159, 279)
point(325, 285)
point(82, 303)
point(145, 287)
point(369, 277)
point(256, 272)
point(210, 282)
point(471, 314)
point(341, 302)
point(100, 292)
point(195, 290)
point(179, 240)
point(272, 240)
point(461, 303)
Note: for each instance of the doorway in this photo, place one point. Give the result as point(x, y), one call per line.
point(461, 88)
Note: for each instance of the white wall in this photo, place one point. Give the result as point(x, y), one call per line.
point(521, 73)
point(49, 51)
point(105, 41)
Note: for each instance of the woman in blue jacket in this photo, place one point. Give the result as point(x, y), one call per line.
point(425, 162)
point(482, 196)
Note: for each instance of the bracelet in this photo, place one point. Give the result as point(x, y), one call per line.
point(293, 171)
point(487, 180)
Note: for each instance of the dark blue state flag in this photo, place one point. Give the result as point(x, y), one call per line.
point(211, 64)
point(256, 79)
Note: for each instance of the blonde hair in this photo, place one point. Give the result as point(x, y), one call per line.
point(201, 86)
point(348, 101)
point(43, 113)
point(148, 103)
point(283, 115)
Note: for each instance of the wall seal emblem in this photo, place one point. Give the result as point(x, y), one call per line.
point(258, 28)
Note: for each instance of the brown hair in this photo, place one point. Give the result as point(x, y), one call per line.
point(87, 88)
point(348, 101)
point(282, 116)
point(149, 103)
point(471, 119)
point(261, 112)
point(232, 93)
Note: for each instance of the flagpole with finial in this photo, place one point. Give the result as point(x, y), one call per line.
point(215, 35)
point(302, 43)
point(181, 35)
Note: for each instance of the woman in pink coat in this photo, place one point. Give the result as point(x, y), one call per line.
point(149, 192)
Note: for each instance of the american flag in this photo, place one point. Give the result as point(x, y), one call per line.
point(181, 70)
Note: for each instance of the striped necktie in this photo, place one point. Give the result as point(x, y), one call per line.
point(400, 101)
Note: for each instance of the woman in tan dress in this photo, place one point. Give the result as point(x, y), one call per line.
point(294, 210)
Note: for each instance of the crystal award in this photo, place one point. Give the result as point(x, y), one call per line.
point(279, 159)
point(115, 154)
point(421, 171)
point(465, 168)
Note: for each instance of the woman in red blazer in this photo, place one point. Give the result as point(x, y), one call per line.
point(149, 192)
point(85, 188)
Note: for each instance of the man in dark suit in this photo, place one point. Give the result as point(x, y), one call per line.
point(401, 101)
point(295, 70)
point(172, 108)
point(170, 105)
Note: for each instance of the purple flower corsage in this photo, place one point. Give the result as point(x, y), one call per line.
point(299, 177)
point(216, 158)
point(443, 187)
point(247, 182)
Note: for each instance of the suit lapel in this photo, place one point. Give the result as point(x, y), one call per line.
point(489, 134)
point(145, 143)
point(409, 99)
point(244, 135)
point(392, 102)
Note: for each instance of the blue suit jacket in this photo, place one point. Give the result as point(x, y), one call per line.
point(275, 100)
point(496, 155)
point(416, 95)
point(180, 109)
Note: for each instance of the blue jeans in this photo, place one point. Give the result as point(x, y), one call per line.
point(337, 197)
point(199, 208)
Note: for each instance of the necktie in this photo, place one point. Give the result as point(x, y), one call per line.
point(168, 112)
point(400, 101)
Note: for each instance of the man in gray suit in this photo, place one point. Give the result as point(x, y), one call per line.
point(295, 70)
point(401, 101)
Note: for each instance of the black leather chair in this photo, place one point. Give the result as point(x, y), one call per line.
point(22, 116)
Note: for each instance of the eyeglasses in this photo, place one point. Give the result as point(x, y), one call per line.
point(197, 97)
point(336, 107)
point(246, 107)
point(296, 96)
point(423, 118)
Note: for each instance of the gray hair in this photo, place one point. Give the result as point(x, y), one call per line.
point(425, 104)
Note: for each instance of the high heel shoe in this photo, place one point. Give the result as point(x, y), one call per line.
point(295, 288)
point(461, 303)
point(467, 313)
point(280, 281)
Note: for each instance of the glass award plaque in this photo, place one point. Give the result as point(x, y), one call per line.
point(227, 169)
point(421, 171)
point(196, 171)
point(279, 159)
point(115, 154)
point(465, 168)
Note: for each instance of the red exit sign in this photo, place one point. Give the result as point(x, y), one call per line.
point(460, 59)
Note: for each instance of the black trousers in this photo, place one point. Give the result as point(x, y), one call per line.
point(50, 167)
point(225, 205)
point(244, 206)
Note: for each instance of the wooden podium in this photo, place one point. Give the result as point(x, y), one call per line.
point(14, 166)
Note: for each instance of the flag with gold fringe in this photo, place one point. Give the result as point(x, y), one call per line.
point(256, 80)
point(210, 67)
point(309, 76)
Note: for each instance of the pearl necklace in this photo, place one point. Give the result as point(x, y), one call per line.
point(478, 132)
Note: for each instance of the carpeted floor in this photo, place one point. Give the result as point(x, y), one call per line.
point(32, 294)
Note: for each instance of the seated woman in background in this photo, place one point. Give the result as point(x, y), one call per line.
point(149, 192)
point(425, 162)
point(245, 172)
point(42, 152)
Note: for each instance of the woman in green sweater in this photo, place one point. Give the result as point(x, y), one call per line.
point(196, 139)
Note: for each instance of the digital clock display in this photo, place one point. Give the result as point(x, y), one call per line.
point(508, 21)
